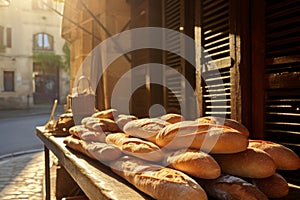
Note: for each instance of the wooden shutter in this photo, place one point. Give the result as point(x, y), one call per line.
point(215, 39)
point(8, 37)
point(173, 92)
point(282, 72)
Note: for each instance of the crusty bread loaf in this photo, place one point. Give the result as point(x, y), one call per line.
point(146, 128)
point(284, 158)
point(193, 162)
point(136, 147)
point(208, 138)
point(107, 114)
point(95, 150)
point(124, 119)
point(158, 182)
point(251, 163)
point(86, 134)
point(226, 122)
point(172, 118)
point(102, 125)
point(228, 187)
point(274, 186)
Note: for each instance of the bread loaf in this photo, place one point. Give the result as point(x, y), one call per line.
point(102, 125)
point(146, 128)
point(208, 138)
point(172, 118)
point(193, 162)
point(86, 134)
point(124, 119)
point(136, 147)
point(228, 187)
point(158, 182)
point(95, 150)
point(226, 122)
point(274, 186)
point(251, 163)
point(107, 114)
point(284, 158)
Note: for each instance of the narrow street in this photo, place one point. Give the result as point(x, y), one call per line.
point(18, 134)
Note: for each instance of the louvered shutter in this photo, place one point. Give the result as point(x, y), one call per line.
point(215, 39)
point(282, 72)
point(173, 90)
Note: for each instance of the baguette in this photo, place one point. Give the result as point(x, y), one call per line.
point(146, 128)
point(172, 118)
point(124, 119)
point(107, 114)
point(251, 163)
point(86, 134)
point(136, 147)
point(102, 125)
point(208, 138)
point(228, 187)
point(226, 122)
point(158, 182)
point(284, 158)
point(274, 186)
point(99, 151)
point(193, 162)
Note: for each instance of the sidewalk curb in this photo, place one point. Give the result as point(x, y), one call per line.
point(20, 153)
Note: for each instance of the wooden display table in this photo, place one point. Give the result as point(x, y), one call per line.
point(96, 180)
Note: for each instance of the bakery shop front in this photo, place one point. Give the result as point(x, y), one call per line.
point(179, 100)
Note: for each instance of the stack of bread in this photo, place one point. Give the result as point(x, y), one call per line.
point(171, 158)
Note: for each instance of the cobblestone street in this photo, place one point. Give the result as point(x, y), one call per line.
point(21, 177)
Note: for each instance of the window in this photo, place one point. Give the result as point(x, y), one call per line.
point(41, 4)
point(43, 41)
point(8, 37)
point(9, 81)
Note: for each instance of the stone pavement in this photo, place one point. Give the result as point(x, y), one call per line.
point(21, 177)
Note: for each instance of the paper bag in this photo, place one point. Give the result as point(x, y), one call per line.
point(83, 101)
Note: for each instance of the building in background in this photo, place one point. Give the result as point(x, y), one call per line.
point(28, 30)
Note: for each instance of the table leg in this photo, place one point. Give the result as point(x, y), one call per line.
point(47, 173)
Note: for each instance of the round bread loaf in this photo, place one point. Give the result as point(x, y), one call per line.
point(251, 163)
point(226, 122)
point(193, 162)
point(207, 138)
point(274, 186)
point(284, 158)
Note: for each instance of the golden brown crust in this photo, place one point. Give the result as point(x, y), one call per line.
point(231, 187)
point(146, 128)
point(208, 138)
point(157, 181)
point(274, 186)
point(251, 163)
point(284, 158)
point(172, 118)
point(225, 122)
point(193, 162)
point(107, 114)
point(136, 147)
point(95, 150)
point(124, 119)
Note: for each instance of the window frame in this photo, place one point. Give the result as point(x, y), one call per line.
point(12, 81)
point(42, 47)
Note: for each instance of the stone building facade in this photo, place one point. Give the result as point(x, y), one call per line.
point(28, 28)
